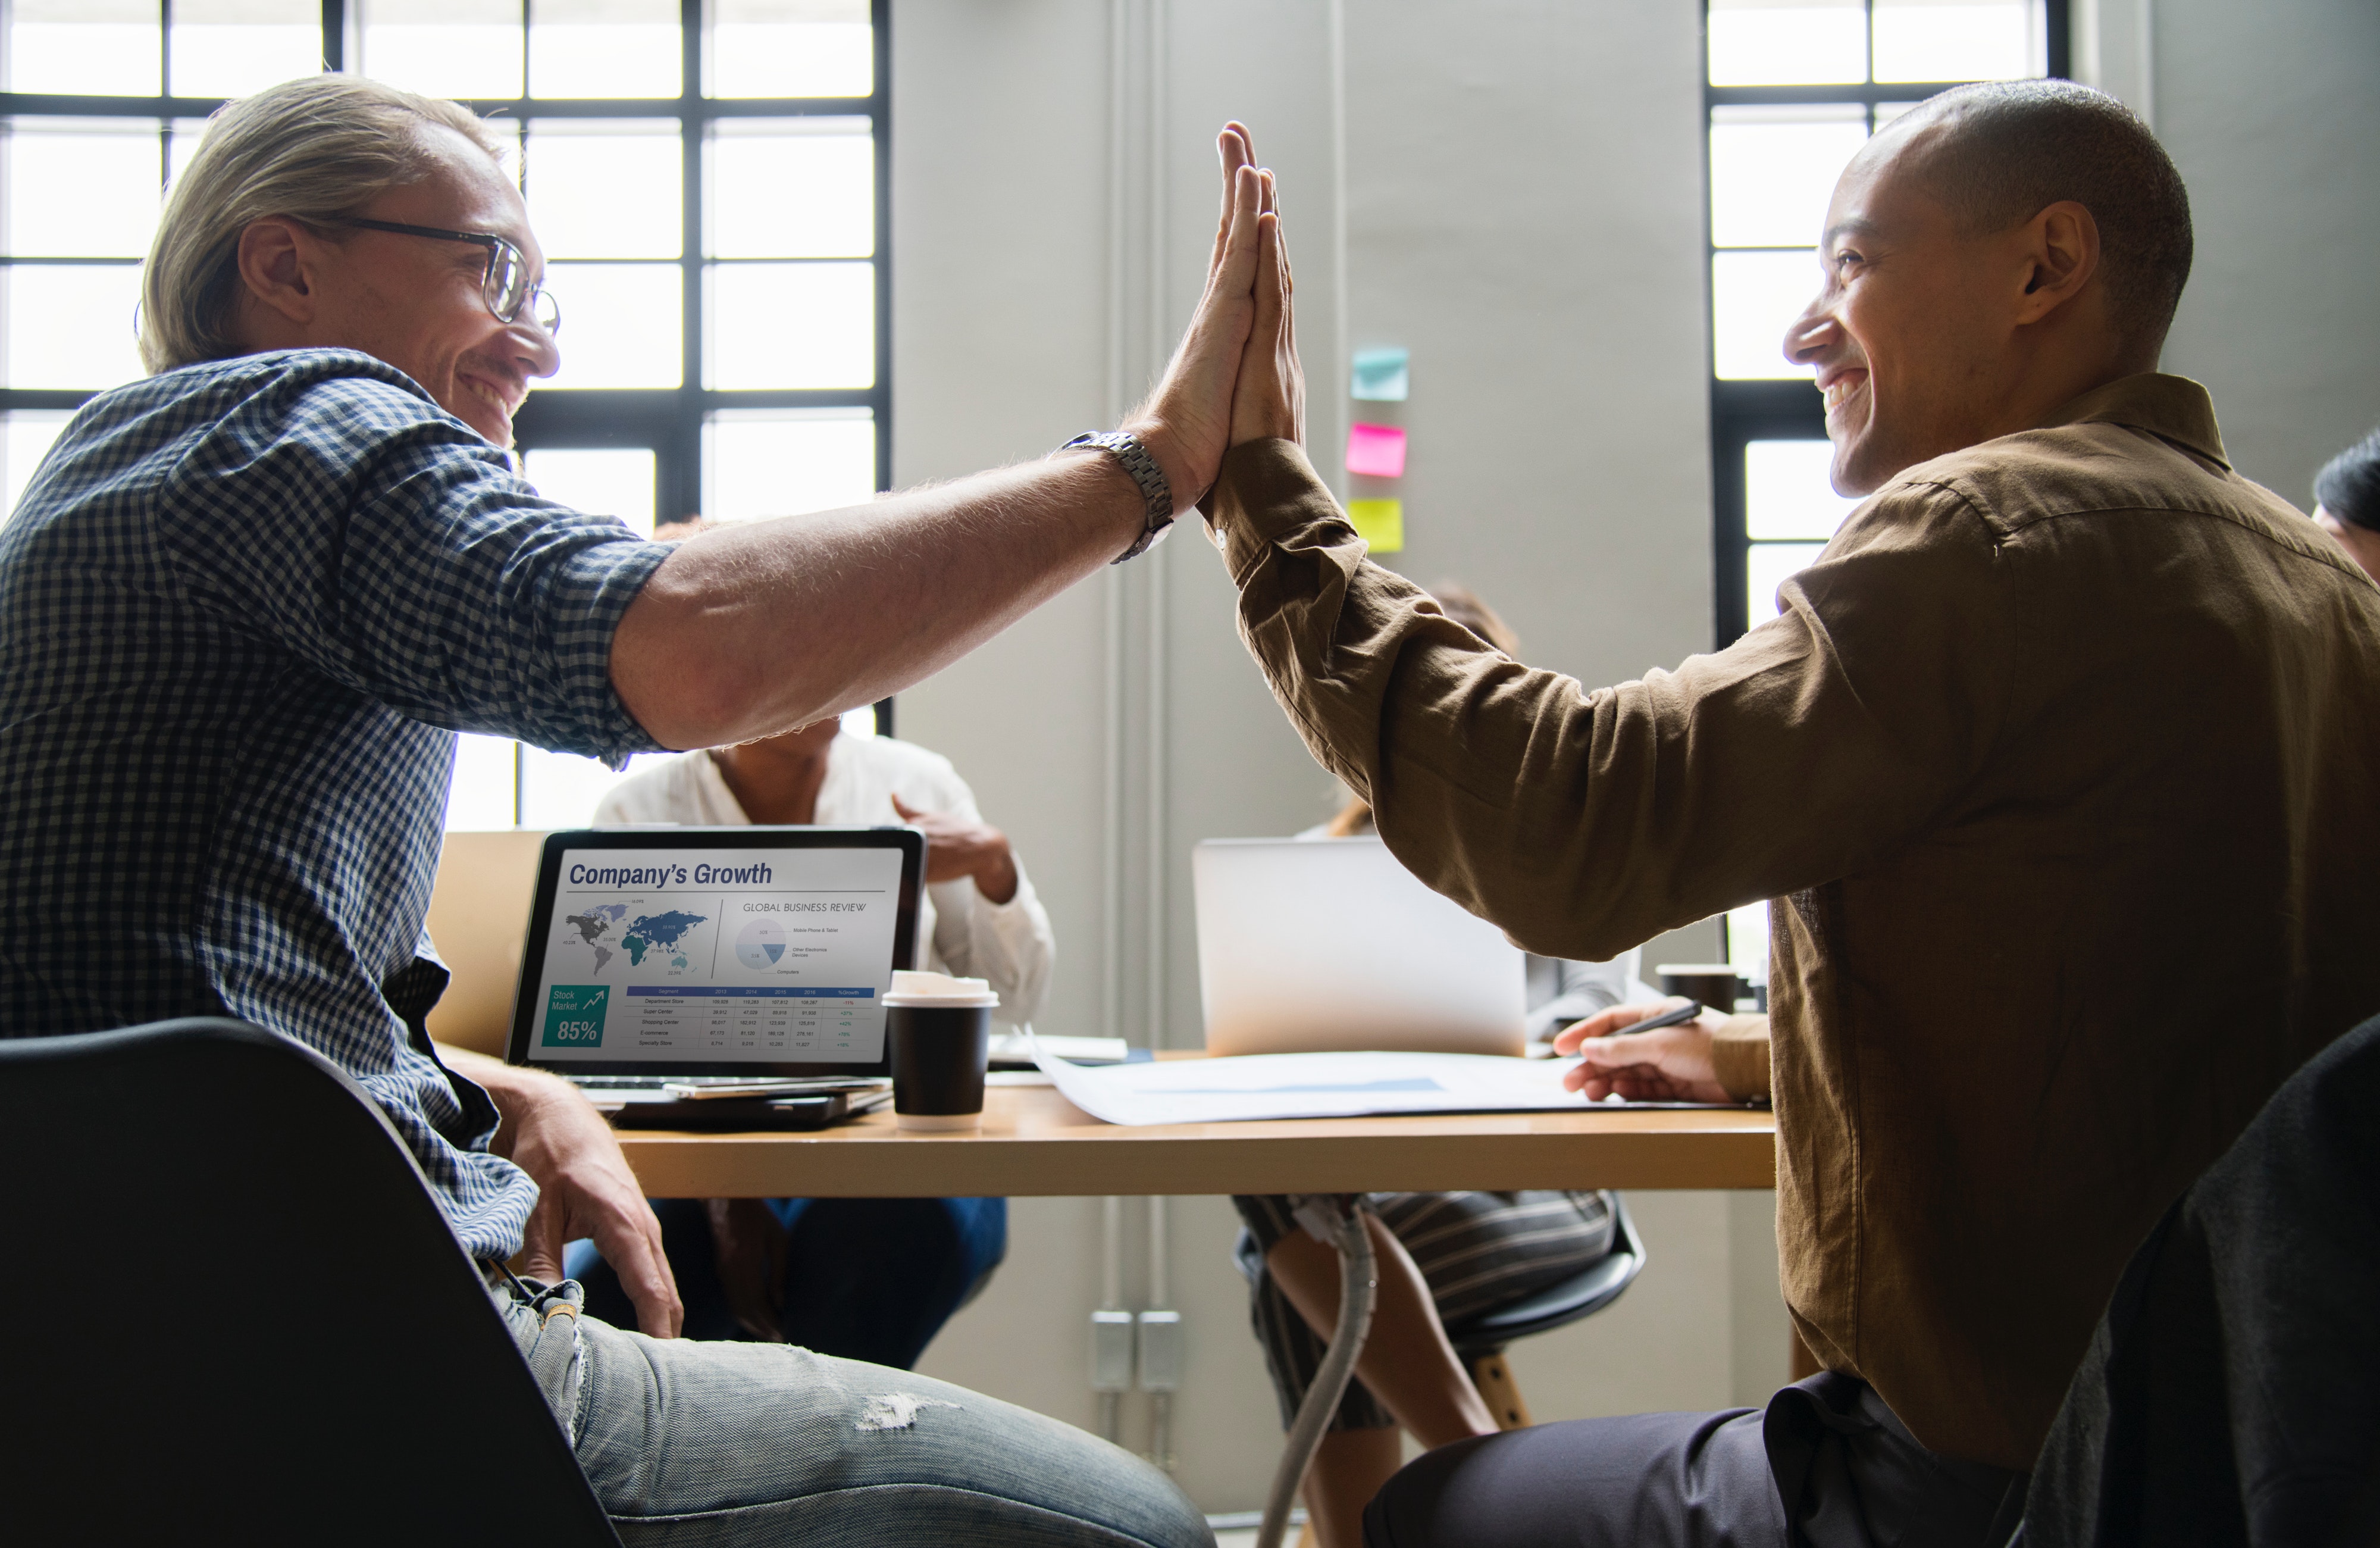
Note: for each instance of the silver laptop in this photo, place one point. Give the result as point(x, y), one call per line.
point(664, 960)
point(1307, 945)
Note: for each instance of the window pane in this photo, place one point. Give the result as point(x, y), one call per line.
point(1786, 491)
point(444, 48)
point(483, 793)
point(791, 48)
point(604, 48)
point(1765, 568)
point(560, 790)
point(23, 443)
point(803, 189)
point(1774, 169)
point(622, 324)
point(229, 48)
point(1965, 39)
point(104, 48)
point(82, 188)
point(792, 325)
point(1778, 42)
point(605, 189)
point(1747, 942)
point(1754, 296)
point(604, 481)
point(784, 462)
point(71, 329)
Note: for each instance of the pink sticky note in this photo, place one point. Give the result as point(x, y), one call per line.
point(1377, 450)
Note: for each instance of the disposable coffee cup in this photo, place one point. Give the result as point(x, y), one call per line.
point(941, 1029)
point(1715, 984)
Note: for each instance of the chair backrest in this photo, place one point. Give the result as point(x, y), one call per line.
point(2225, 1396)
point(232, 1309)
point(1582, 1294)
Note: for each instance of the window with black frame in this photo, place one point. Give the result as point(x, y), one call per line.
point(706, 177)
point(1793, 88)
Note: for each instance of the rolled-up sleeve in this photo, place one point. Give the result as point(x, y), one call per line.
point(393, 551)
point(1584, 823)
point(1740, 1057)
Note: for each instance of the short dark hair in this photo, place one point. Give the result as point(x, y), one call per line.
point(2349, 485)
point(2010, 149)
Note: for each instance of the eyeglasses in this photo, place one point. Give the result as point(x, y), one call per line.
point(506, 286)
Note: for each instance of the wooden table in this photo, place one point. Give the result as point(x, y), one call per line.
point(1036, 1143)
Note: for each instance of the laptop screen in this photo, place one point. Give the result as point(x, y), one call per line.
point(716, 951)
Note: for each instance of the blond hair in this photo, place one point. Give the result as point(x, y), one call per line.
point(318, 150)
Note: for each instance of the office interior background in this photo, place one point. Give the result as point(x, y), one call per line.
point(810, 249)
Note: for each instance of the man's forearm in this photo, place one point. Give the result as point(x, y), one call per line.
point(756, 628)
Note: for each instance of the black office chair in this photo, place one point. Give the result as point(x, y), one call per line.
point(2226, 1397)
point(230, 1310)
point(1480, 1339)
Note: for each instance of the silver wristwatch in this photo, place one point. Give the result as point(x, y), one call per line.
point(1157, 496)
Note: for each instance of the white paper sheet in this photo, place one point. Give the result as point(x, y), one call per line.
point(1311, 1086)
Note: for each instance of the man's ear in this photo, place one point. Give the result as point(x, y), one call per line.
point(279, 263)
point(2062, 255)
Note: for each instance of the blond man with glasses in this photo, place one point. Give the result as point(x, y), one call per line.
point(263, 588)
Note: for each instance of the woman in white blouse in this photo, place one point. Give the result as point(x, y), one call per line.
point(870, 1279)
point(978, 918)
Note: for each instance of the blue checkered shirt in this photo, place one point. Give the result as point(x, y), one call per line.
point(244, 607)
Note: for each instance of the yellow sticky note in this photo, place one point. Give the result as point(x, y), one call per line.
point(1380, 523)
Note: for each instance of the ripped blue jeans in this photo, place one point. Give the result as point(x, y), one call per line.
point(690, 1443)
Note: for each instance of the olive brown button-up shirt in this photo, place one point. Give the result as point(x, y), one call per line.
point(2062, 771)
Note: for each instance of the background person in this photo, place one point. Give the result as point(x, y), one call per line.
point(2346, 502)
point(2022, 761)
point(1442, 1256)
point(869, 1279)
point(266, 586)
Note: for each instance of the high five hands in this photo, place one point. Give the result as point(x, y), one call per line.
point(1235, 376)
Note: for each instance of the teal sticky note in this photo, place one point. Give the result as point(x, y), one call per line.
point(1382, 375)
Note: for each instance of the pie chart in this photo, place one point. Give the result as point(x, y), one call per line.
point(761, 944)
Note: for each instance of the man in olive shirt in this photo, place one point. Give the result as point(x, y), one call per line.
point(2058, 766)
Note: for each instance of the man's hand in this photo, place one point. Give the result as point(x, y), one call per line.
point(584, 1187)
point(1668, 1064)
point(1269, 400)
point(957, 846)
point(1187, 419)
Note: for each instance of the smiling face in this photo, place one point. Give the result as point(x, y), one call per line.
point(1904, 333)
point(416, 302)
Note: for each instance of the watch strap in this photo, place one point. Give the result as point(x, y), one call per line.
point(1157, 496)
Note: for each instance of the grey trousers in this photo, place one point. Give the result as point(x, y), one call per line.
point(1825, 1465)
point(690, 1443)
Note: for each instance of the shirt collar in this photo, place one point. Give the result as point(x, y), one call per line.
point(2173, 408)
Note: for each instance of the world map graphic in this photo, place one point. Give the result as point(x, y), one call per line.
point(636, 936)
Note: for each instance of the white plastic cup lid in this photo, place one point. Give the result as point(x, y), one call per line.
point(923, 990)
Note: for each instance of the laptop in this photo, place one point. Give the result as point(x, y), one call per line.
point(1311, 946)
point(666, 965)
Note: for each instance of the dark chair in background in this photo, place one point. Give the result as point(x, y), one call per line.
point(233, 1311)
point(1480, 1339)
point(2226, 1397)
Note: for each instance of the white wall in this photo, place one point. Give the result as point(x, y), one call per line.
point(1521, 207)
point(2269, 110)
point(1502, 175)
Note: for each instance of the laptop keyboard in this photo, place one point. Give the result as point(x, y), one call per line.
point(652, 1082)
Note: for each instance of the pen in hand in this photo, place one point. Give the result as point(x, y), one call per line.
point(1677, 1017)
